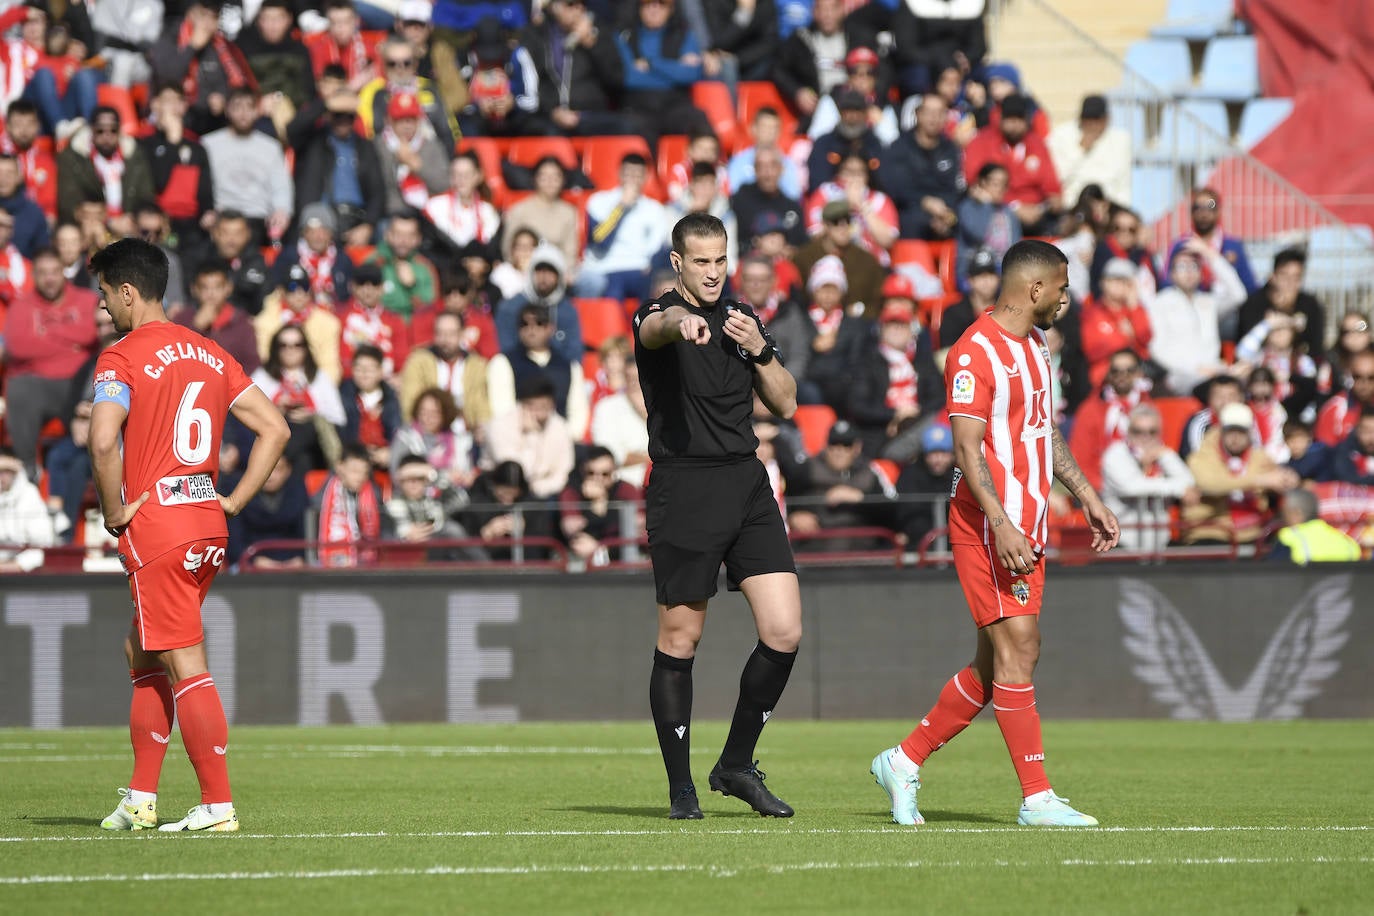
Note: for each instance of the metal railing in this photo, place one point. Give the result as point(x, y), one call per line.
point(1175, 150)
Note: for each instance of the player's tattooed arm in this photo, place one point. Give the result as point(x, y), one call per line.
point(968, 455)
point(1067, 471)
point(985, 482)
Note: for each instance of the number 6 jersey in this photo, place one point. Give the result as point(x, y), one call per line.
point(1004, 380)
point(177, 387)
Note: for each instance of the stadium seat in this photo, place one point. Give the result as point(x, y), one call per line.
point(527, 151)
point(601, 320)
point(601, 161)
point(1128, 114)
point(120, 99)
point(1191, 130)
point(1154, 190)
point(890, 469)
point(1230, 69)
point(1339, 256)
point(814, 422)
point(712, 99)
point(1194, 20)
point(672, 149)
point(1259, 118)
point(314, 480)
point(1173, 416)
point(359, 253)
point(1163, 62)
point(489, 155)
point(764, 94)
point(915, 251)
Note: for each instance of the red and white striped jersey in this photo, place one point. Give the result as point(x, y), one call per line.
point(1004, 380)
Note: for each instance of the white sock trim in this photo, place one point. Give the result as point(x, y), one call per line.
point(1039, 798)
point(138, 799)
point(901, 762)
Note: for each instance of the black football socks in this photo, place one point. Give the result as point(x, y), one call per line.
point(670, 700)
point(760, 686)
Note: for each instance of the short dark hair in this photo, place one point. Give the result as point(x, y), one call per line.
point(596, 453)
point(703, 170)
point(1262, 374)
point(354, 451)
point(699, 225)
point(337, 5)
point(47, 251)
point(410, 461)
point(164, 86)
point(212, 266)
point(1032, 254)
point(551, 160)
point(239, 92)
point(455, 281)
point(1125, 351)
point(633, 159)
point(535, 385)
point(230, 215)
point(368, 351)
point(140, 264)
point(105, 110)
point(21, 107)
point(1290, 256)
point(509, 474)
point(988, 169)
point(148, 207)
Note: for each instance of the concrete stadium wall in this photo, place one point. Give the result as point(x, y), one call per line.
point(1228, 642)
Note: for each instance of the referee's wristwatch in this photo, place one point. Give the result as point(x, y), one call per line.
point(766, 355)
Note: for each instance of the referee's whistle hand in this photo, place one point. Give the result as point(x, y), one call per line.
point(694, 328)
point(743, 331)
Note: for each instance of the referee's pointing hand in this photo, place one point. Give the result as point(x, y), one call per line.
point(695, 329)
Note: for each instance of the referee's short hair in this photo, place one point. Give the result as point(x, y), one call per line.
point(140, 264)
point(698, 225)
point(1033, 255)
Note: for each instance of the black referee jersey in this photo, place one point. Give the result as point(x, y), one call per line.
point(700, 399)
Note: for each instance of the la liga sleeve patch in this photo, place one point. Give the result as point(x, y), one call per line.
point(962, 387)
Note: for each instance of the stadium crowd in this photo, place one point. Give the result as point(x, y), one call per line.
point(422, 228)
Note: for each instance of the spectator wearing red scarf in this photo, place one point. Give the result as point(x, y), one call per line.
point(1115, 320)
point(206, 63)
point(1234, 476)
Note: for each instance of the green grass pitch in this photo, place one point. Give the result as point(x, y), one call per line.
point(1197, 818)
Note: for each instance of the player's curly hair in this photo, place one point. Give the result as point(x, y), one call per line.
point(140, 264)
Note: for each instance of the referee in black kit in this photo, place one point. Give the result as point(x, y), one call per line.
point(701, 358)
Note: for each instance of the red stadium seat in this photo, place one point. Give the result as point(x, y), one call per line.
point(359, 253)
point(672, 149)
point(527, 151)
point(489, 154)
point(601, 161)
point(713, 100)
point(814, 422)
point(601, 320)
point(890, 469)
point(1173, 416)
point(915, 251)
point(120, 99)
point(763, 94)
point(314, 480)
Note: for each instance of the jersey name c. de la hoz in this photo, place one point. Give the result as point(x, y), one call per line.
point(1004, 381)
point(700, 399)
point(177, 387)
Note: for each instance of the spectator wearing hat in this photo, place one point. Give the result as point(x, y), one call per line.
point(249, 169)
point(364, 321)
point(207, 64)
point(661, 59)
point(1033, 189)
point(180, 170)
point(101, 162)
point(986, 220)
point(625, 232)
point(1235, 477)
point(1186, 319)
point(280, 63)
point(874, 213)
point(839, 489)
point(1205, 213)
point(980, 294)
point(1215, 393)
point(787, 322)
point(810, 62)
point(215, 316)
point(414, 21)
point(400, 74)
point(928, 175)
point(546, 285)
point(769, 241)
point(1115, 320)
point(25, 525)
point(894, 391)
point(337, 166)
point(316, 250)
point(838, 332)
point(341, 44)
point(579, 68)
point(923, 42)
point(414, 165)
point(863, 272)
point(503, 88)
point(765, 194)
point(1142, 479)
point(929, 476)
point(293, 304)
point(851, 136)
point(1090, 151)
point(861, 67)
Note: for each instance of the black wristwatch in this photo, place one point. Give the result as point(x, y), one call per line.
point(766, 355)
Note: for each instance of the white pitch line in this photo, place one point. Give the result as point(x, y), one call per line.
point(782, 829)
point(345, 751)
point(711, 870)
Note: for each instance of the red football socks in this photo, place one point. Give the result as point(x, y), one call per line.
point(205, 733)
point(150, 725)
point(1019, 721)
point(961, 699)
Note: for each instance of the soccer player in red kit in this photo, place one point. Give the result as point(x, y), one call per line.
point(167, 390)
point(998, 381)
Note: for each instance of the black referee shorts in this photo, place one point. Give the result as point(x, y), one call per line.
point(699, 517)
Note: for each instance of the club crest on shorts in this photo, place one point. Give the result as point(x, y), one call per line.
point(1020, 590)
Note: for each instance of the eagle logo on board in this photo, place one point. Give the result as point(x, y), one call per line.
point(1020, 590)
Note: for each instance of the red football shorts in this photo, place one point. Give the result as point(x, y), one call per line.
point(991, 590)
point(169, 591)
